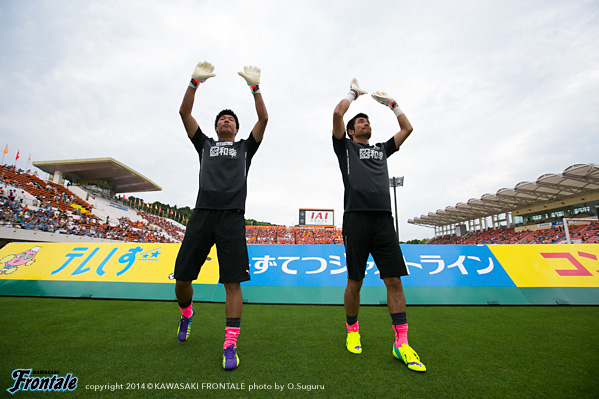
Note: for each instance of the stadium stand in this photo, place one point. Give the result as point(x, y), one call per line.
point(530, 212)
point(292, 235)
point(30, 203)
point(586, 233)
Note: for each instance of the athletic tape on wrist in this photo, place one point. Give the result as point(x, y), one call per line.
point(395, 108)
point(352, 95)
point(255, 89)
point(194, 83)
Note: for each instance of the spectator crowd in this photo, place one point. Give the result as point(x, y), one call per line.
point(292, 235)
point(587, 233)
point(27, 202)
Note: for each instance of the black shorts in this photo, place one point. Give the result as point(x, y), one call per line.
point(206, 227)
point(373, 233)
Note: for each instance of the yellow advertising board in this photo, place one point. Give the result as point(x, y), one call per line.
point(575, 265)
point(100, 262)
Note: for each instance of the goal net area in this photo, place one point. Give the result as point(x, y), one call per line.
point(574, 226)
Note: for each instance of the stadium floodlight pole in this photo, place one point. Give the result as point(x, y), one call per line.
point(395, 182)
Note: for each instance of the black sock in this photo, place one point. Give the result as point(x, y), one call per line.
point(351, 320)
point(399, 318)
point(185, 304)
point(233, 322)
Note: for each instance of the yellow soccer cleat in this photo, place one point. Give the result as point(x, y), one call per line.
point(353, 342)
point(409, 356)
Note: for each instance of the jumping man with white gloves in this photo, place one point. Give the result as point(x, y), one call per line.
point(367, 219)
point(218, 217)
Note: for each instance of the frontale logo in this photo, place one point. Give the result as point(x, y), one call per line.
point(55, 383)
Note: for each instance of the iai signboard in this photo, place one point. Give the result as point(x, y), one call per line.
point(316, 217)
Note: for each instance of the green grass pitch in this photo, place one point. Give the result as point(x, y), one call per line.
point(470, 351)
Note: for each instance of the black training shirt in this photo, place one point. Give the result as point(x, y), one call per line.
point(224, 166)
point(365, 174)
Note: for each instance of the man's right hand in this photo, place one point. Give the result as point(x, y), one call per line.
point(355, 88)
point(201, 73)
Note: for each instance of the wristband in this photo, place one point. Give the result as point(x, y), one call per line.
point(352, 95)
point(255, 89)
point(194, 83)
point(395, 108)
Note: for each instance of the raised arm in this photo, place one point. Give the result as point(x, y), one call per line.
point(405, 127)
point(343, 106)
point(251, 75)
point(201, 73)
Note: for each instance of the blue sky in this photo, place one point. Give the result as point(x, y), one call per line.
point(498, 92)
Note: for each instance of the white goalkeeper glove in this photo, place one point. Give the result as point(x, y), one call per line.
point(385, 99)
point(354, 91)
point(201, 73)
point(251, 74)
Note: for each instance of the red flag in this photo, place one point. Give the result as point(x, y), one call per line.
point(17, 157)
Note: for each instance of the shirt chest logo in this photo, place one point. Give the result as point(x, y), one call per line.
point(371, 153)
point(221, 151)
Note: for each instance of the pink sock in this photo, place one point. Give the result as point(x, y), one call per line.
point(353, 327)
point(401, 334)
point(188, 311)
point(231, 334)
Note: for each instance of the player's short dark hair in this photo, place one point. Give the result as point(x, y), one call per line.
point(227, 112)
point(350, 123)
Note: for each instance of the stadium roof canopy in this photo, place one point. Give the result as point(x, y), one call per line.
point(575, 180)
point(121, 178)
